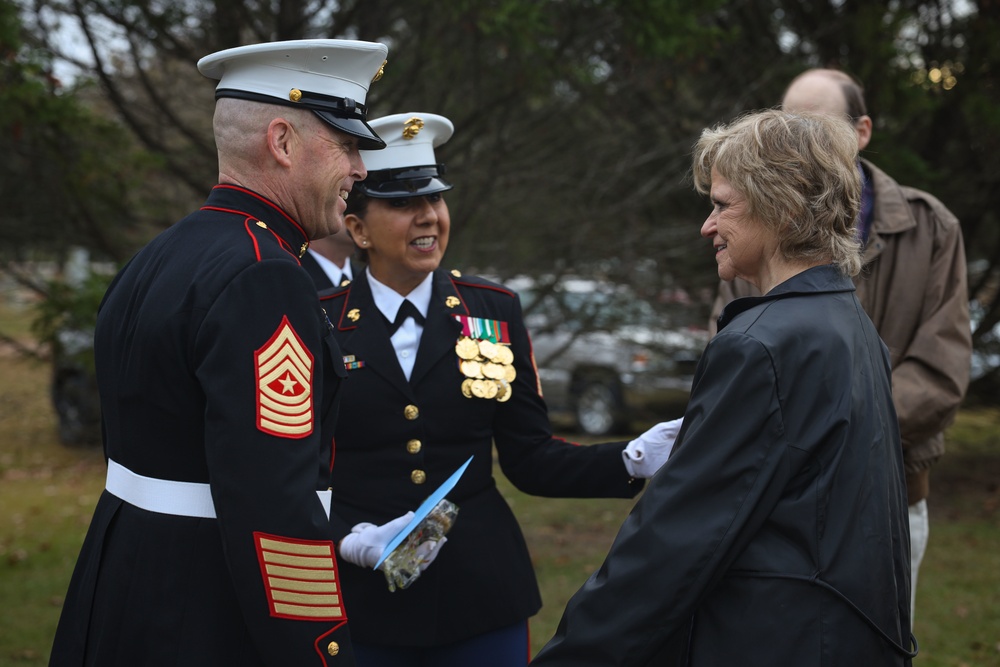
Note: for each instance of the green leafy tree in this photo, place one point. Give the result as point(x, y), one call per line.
point(69, 173)
point(931, 75)
point(575, 118)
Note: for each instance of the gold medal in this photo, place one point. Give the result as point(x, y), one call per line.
point(493, 371)
point(504, 355)
point(466, 348)
point(488, 349)
point(504, 392)
point(479, 388)
point(471, 368)
point(491, 389)
point(467, 387)
point(509, 373)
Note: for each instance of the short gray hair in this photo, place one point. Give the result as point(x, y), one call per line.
point(799, 175)
point(241, 125)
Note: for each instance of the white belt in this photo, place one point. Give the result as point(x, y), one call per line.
point(169, 497)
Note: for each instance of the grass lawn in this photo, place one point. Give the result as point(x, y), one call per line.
point(48, 491)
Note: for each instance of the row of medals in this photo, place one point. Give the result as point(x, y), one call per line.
point(488, 368)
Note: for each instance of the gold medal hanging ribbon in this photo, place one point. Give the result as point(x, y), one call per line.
point(485, 359)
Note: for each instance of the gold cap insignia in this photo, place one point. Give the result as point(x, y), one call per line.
point(452, 301)
point(380, 72)
point(354, 314)
point(411, 127)
point(295, 94)
point(456, 273)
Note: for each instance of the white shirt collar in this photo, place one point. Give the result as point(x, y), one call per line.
point(332, 271)
point(389, 300)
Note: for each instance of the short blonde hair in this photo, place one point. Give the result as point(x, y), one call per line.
point(799, 175)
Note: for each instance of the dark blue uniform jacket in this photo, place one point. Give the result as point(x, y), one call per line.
point(388, 459)
point(216, 365)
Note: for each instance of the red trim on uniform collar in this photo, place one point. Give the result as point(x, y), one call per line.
point(263, 200)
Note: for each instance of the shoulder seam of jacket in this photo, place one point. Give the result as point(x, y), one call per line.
point(495, 288)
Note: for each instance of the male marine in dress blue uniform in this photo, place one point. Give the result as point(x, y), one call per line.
point(218, 376)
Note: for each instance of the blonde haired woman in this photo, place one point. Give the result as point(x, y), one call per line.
point(776, 533)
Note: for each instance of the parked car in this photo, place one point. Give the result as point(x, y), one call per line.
point(986, 355)
point(65, 321)
point(74, 389)
point(605, 356)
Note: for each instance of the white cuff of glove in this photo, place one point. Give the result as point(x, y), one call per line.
point(644, 455)
point(364, 545)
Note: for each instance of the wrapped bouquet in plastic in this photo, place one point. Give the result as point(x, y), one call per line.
point(403, 566)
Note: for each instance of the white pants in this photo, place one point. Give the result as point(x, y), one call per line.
point(919, 531)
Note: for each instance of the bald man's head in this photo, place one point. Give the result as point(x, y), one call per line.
point(833, 92)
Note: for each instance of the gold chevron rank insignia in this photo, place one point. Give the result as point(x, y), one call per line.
point(300, 578)
point(284, 385)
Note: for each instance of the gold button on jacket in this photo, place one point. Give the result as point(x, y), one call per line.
point(418, 476)
point(333, 648)
point(411, 412)
point(413, 446)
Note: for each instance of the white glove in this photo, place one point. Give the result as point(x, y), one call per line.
point(365, 543)
point(428, 551)
point(644, 455)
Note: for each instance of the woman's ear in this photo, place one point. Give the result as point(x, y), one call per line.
point(356, 228)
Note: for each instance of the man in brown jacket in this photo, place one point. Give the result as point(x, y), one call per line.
point(913, 287)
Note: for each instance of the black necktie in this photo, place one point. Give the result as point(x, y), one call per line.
point(405, 310)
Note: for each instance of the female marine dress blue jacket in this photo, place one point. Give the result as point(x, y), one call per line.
point(777, 531)
point(397, 440)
